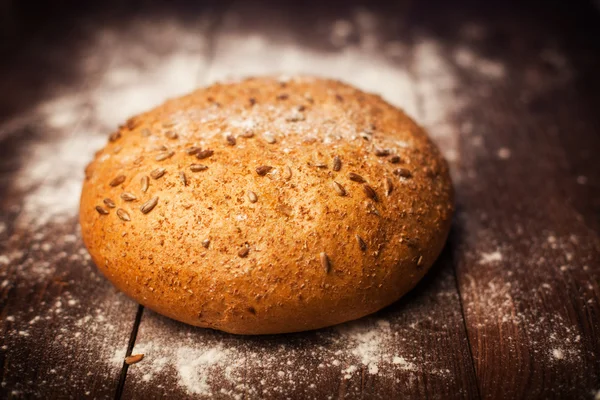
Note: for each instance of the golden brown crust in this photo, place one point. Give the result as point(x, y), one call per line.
point(266, 206)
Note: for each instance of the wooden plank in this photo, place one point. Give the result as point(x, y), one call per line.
point(65, 328)
point(415, 348)
point(527, 243)
point(509, 98)
point(61, 323)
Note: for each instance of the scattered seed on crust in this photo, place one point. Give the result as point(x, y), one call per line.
point(149, 205)
point(252, 196)
point(371, 208)
point(192, 150)
point(164, 155)
point(431, 172)
point(146, 132)
point(295, 117)
point(124, 215)
point(252, 101)
point(244, 252)
point(420, 261)
point(183, 178)
point(117, 181)
point(337, 163)
point(157, 173)
point(395, 159)
point(403, 172)
point(361, 243)
point(263, 170)
point(285, 209)
point(114, 136)
point(388, 186)
point(138, 160)
point(325, 263)
point(109, 203)
point(206, 243)
point(339, 188)
point(247, 134)
point(132, 123)
point(135, 358)
point(283, 96)
point(198, 167)
point(381, 152)
point(101, 210)
point(230, 140)
point(287, 172)
point(171, 135)
point(144, 182)
point(356, 178)
point(167, 124)
point(269, 138)
point(366, 135)
point(202, 154)
point(370, 192)
point(126, 196)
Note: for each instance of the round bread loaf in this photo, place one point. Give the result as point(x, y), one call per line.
point(267, 206)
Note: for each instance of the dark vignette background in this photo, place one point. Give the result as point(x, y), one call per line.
point(541, 207)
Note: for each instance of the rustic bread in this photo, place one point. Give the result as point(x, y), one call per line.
point(267, 206)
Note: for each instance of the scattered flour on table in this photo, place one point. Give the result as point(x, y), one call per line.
point(367, 342)
point(206, 362)
point(505, 302)
point(497, 305)
point(405, 365)
point(70, 332)
point(54, 178)
point(487, 258)
point(467, 59)
point(78, 122)
point(210, 363)
point(504, 153)
point(192, 365)
point(558, 354)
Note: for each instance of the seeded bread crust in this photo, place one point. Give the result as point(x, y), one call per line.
point(267, 206)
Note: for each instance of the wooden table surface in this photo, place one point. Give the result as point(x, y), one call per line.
point(511, 94)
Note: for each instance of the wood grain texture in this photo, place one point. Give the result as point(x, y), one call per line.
point(527, 243)
point(61, 322)
point(509, 93)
